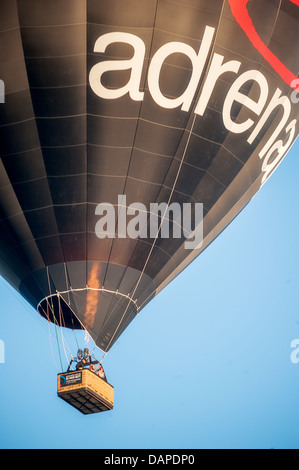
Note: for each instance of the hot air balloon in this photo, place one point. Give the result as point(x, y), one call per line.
point(115, 111)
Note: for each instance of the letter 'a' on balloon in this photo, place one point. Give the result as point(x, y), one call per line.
point(159, 102)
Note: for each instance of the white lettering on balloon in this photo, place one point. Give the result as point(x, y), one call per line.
point(277, 144)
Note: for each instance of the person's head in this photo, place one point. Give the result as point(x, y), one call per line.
point(79, 352)
point(86, 352)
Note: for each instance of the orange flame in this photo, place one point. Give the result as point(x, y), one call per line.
point(92, 298)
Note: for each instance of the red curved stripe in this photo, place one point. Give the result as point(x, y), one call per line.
point(240, 12)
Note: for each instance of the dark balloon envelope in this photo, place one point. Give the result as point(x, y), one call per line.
point(199, 107)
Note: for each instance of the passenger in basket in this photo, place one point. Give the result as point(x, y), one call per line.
point(100, 372)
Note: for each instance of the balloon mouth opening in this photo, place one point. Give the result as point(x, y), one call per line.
point(56, 310)
point(103, 313)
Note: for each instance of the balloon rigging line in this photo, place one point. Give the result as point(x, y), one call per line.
point(154, 23)
point(61, 332)
point(66, 280)
point(78, 290)
point(159, 228)
point(51, 347)
point(82, 289)
point(54, 319)
point(66, 347)
point(50, 334)
point(169, 199)
point(61, 316)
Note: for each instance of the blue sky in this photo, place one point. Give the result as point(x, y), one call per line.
point(205, 365)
